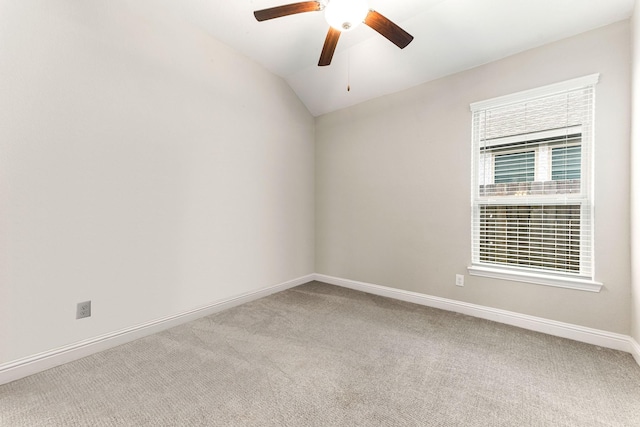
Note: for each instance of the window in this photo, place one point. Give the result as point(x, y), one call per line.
point(532, 197)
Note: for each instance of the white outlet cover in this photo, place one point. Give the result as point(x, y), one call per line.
point(83, 310)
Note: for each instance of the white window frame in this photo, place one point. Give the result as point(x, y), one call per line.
point(516, 273)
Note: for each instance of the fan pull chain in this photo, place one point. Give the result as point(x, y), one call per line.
point(349, 70)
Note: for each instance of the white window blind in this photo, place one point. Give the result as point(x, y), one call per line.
point(531, 181)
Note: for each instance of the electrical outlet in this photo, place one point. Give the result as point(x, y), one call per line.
point(459, 279)
point(83, 310)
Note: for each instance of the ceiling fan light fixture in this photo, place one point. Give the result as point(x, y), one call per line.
point(345, 15)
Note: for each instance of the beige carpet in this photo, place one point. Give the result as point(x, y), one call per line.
point(320, 355)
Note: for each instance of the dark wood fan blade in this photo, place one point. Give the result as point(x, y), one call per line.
point(329, 47)
point(287, 9)
point(388, 29)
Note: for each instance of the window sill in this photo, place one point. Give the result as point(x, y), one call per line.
point(536, 278)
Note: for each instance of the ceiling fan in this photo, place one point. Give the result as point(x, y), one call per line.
point(342, 15)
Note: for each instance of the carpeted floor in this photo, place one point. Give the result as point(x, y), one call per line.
point(320, 355)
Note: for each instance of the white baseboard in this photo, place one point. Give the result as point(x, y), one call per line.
point(551, 327)
point(21, 368)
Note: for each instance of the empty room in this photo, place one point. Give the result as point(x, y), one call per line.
point(319, 213)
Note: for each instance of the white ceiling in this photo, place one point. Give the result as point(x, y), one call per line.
point(450, 36)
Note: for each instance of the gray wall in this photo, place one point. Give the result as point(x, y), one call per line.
point(393, 184)
point(635, 182)
point(143, 166)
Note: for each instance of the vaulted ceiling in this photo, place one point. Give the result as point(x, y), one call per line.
point(450, 36)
